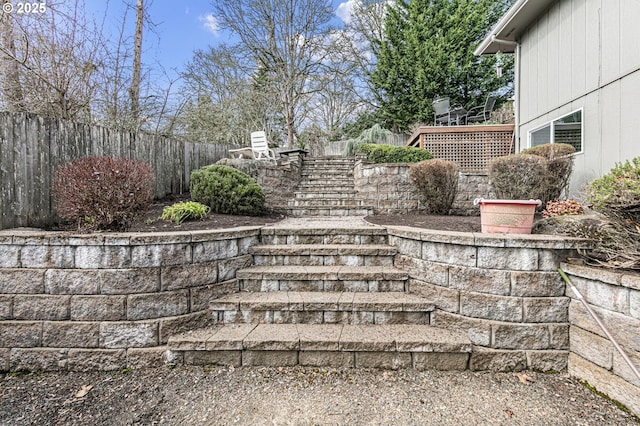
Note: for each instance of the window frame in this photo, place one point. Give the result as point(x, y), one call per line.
point(551, 126)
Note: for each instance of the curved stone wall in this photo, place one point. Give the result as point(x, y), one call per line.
point(108, 301)
point(503, 290)
point(386, 188)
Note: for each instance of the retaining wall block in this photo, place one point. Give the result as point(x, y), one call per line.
point(128, 281)
point(497, 308)
point(44, 256)
point(70, 334)
point(214, 250)
point(98, 308)
point(9, 256)
point(20, 334)
point(96, 359)
point(546, 309)
point(6, 307)
point(133, 334)
point(103, 257)
point(483, 359)
point(480, 280)
point(160, 255)
point(41, 307)
point(536, 284)
point(71, 281)
point(146, 357)
point(157, 305)
point(478, 330)
point(25, 281)
point(442, 297)
point(38, 359)
point(452, 254)
point(547, 360)
point(521, 259)
point(520, 336)
point(191, 275)
point(611, 297)
point(592, 347)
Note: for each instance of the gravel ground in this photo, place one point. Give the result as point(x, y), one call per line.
point(261, 395)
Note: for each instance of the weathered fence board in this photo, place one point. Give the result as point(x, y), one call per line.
point(337, 147)
point(32, 148)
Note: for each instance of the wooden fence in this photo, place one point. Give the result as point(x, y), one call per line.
point(32, 147)
point(337, 148)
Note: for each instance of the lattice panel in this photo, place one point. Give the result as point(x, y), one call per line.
point(470, 150)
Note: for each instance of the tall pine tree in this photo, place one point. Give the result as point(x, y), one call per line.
point(427, 52)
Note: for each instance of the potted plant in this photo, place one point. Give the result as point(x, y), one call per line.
point(507, 216)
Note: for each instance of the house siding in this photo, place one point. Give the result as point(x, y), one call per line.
point(585, 54)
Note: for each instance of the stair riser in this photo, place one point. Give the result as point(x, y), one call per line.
point(319, 260)
point(346, 195)
point(319, 317)
point(333, 212)
point(322, 285)
point(421, 361)
point(327, 203)
point(326, 188)
point(291, 239)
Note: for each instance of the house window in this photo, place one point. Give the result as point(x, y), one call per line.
point(566, 129)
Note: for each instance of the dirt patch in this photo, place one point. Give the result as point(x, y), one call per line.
point(441, 223)
point(295, 395)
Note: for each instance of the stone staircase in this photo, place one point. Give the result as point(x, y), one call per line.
point(327, 189)
point(323, 293)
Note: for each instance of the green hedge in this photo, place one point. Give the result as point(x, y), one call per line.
point(380, 153)
point(227, 190)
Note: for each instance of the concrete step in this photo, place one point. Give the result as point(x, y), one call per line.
point(422, 347)
point(331, 234)
point(322, 278)
point(326, 202)
point(328, 211)
point(324, 254)
point(351, 194)
point(325, 187)
point(281, 307)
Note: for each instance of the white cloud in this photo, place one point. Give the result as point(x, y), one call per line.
point(345, 10)
point(210, 23)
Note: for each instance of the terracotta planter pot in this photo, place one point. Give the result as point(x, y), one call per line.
point(507, 216)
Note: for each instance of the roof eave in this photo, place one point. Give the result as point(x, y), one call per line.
point(504, 35)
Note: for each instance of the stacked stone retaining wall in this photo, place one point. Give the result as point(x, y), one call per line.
point(108, 301)
point(615, 299)
point(503, 290)
point(386, 188)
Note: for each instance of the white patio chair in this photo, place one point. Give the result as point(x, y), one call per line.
point(259, 148)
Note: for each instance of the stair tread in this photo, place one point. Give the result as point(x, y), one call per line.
point(321, 272)
point(329, 337)
point(324, 249)
point(323, 301)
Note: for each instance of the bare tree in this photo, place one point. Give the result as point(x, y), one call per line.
point(134, 90)
point(287, 40)
point(9, 68)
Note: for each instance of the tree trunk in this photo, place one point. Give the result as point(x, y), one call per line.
point(134, 91)
point(9, 67)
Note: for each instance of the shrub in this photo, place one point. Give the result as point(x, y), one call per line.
point(373, 135)
point(540, 173)
point(437, 183)
point(618, 192)
point(227, 190)
point(562, 208)
point(179, 212)
point(102, 193)
point(377, 154)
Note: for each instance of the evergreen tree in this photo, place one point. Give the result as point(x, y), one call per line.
point(427, 52)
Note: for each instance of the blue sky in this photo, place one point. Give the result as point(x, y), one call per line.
point(182, 26)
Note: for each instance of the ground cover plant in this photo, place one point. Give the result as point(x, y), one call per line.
point(185, 210)
point(102, 193)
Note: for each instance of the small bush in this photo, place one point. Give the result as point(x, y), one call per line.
point(102, 193)
point(377, 154)
point(437, 183)
point(562, 208)
point(542, 172)
point(227, 190)
point(373, 135)
point(179, 212)
point(618, 192)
